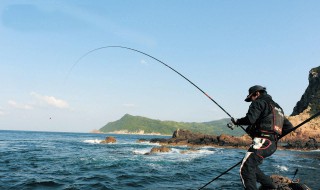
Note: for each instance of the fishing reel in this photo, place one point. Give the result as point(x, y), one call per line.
point(231, 125)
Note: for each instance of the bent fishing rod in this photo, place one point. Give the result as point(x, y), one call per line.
point(135, 50)
point(283, 135)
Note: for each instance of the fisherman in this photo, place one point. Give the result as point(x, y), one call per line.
point(266, 122)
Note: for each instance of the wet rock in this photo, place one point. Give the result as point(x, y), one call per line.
point(186, 137)
point(311, 144)
point(284, 183)
point(142, 140)
point(109, 140)
point(160, 149)
point(185, 134)
point(190, 150)
point(158, 140)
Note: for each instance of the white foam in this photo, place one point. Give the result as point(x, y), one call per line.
point(282, 168)
point(149, 143)
point(175, 155)
point(94, 141)
point(141, 151)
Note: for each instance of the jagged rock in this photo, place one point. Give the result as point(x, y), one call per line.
point(158, 140)
point(308, 105)
point(281, 182)
point(284, 183)
point(142, 140)
point(311, 96)
point(294, 145)
point(190, 150)
point(185, 134)
point(311, 144)
point(159, 150)
point(226, 140)
point(186, 137)
point(109, 140)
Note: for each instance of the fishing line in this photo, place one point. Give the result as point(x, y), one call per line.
point(123, 47)
point(293, 129)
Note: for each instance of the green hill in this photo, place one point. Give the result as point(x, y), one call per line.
point(134, 124)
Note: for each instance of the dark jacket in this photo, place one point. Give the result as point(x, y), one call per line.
point(258, 110)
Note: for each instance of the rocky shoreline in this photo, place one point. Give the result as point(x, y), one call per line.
point(126, 132)
point(185, 137)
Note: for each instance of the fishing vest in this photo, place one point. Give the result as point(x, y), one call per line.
point(272, 123)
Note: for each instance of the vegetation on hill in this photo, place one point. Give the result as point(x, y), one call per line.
point(136, 124)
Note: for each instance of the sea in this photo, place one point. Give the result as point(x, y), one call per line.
point(56, 160)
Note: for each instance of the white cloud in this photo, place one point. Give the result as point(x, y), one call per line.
point(50, 100)
point(19, 106)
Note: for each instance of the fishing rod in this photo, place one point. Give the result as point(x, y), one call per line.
point(135, 50)
point(302, 123)
point(291, 130)
point(220, 175)
point(295, 173)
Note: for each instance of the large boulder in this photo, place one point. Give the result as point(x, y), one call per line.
point(160, 149)
point(186, 137)
point(227, 140)
point(109, 140)
point(311, 144)
point(284, 183)
point(185, 134)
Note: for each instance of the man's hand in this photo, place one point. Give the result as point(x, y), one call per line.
point(232, 124)
point(233, 120)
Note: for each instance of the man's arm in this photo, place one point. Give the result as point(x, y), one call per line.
point(253, 114)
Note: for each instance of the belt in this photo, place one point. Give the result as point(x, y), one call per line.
point(269, 136)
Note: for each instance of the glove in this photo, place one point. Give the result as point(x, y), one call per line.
point(232, 124)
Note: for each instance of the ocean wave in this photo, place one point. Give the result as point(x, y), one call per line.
point(282, 168)
point(141, 151)
point(92, 141)
point(175, 155)
point(148, 143)
point(178, 151)
point(38, 184)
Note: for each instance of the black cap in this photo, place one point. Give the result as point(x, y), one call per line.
point(252, 90)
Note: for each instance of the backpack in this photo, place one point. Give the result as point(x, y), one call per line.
point(278, 119)
point(273, 121)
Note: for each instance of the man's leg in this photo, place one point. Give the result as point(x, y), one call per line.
point(265, 180)
point(248, 170)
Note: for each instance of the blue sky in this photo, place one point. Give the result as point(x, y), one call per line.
point(224, 47)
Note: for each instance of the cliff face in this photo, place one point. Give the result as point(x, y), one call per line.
point(306, 107)
point(311, 97)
